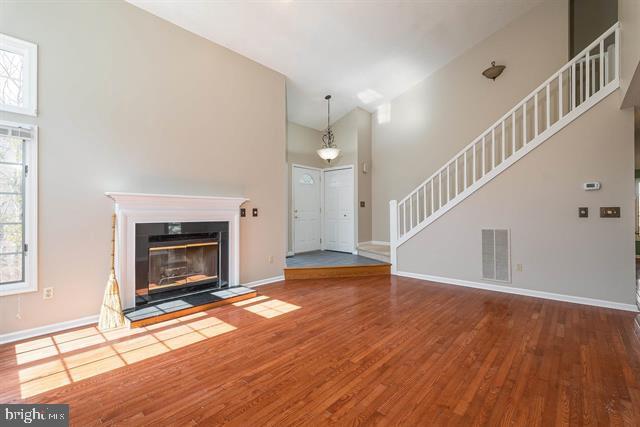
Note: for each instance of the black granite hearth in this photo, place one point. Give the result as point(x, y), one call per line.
point(184, 302)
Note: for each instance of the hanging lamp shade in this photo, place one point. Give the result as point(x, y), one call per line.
point(328, 153)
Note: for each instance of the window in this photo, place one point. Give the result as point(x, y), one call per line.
point(18, 208)
point(306, 179)
point(18, 76)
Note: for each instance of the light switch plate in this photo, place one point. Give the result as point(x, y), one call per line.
point(610, 212)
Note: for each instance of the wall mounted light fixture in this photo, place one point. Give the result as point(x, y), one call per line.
point(494, 71)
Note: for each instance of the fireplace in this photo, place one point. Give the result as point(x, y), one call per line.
point(178, 258)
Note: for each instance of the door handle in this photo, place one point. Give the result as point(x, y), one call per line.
point(295, 217)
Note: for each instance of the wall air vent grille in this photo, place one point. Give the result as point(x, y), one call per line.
point(496, 248)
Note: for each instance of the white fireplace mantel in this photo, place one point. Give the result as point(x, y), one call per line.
point(134, 208)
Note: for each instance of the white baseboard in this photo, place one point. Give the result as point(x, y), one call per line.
point(69, 324)
point(263, 281)
point(520, 291)
point(290, 253)
point(47, 329)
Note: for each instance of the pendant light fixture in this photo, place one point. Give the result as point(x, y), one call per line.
point(328, 151)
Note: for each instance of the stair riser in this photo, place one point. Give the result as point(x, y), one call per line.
point(334, 272)
point(373, 255)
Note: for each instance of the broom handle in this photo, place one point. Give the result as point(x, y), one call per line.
point(113, 242)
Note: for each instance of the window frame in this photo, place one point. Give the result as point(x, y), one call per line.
point(29, 51)
point(30, 274)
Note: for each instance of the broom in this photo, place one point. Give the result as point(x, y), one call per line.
point(111, 315)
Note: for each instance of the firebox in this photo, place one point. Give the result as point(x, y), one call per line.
point(177, 258)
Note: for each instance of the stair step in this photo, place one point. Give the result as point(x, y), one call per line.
point(377, 251)
point(382, 269)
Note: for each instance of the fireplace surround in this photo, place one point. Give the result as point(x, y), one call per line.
point(176, 258)
point(133, 209)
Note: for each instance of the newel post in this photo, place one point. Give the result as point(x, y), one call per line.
point(393, 233)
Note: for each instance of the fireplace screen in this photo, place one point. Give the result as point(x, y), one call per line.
point(182, 265)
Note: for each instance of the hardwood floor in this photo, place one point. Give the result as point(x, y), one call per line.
point(372, 350)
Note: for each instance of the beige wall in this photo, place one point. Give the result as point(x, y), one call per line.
point(629, 13)
point(538, 200)
point(439, 116)
point(346, 138)
point(364, 179)
point(129, 102)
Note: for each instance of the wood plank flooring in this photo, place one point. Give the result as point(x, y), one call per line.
point(373, 351)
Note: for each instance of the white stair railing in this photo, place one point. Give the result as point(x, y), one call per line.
point(585, 80)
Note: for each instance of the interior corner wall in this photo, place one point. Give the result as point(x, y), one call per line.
point(130, 102)
point(439, 116)
point(345, 131)
point(537, 199)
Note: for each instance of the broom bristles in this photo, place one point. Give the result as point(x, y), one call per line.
point(111, 315)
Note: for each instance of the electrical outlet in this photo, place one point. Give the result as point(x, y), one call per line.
point(519, 268)
point(270, 259)
point(47, 293)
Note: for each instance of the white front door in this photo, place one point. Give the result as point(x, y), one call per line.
point(306, 209)
point(338, 206)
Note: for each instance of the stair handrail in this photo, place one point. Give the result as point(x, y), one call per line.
point(598, 65)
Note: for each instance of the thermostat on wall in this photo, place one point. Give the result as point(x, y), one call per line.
point(591, 186)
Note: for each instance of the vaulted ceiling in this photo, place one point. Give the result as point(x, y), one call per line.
point(364, 53)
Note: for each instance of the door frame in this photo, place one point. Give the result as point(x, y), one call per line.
point(293, 203)
point(355, 205)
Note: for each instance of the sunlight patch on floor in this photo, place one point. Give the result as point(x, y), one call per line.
point(142, 343)
point(66, 357)
point(272, 308)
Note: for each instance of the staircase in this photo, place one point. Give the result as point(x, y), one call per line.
point(580, 84)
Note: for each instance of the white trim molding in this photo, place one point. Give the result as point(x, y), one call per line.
point(266, 281)
point(29, 53)
point(134, 208)
point(521, 291)
point(29, 134)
